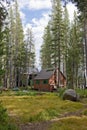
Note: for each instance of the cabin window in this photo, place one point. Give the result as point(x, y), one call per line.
point(37, 82)
point(45, 81)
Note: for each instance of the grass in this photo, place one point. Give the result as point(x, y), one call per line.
point(18, 93)
point(82, 92)
point(71, 123)
point(35, 106)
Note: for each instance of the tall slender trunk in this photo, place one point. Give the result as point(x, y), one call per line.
point(59, 65)
point(77, 76)
point(85, 38)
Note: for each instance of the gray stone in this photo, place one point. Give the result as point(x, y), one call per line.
point(71, 95)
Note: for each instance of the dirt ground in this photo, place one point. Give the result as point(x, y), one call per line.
point(36, 126)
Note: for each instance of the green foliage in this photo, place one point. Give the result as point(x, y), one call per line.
point(75, 53)
point(39, 117)
point(61, 91)
point(81, 4)
point(63, 44)
point(52, 47)
point(57, 28)
point(8, 126)
point(44, 115)
point(46, 49)
point(52, 113)
point(3, 114)
point(4, 120)
point(18, 53)
point(82, 92)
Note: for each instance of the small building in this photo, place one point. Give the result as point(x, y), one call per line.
point(47, 80)
point(29, 75)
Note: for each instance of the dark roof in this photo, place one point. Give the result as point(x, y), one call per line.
point(45, 74)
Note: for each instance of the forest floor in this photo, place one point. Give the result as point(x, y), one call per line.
point(50, 125)
point(44, 111)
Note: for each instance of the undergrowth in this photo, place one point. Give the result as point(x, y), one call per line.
point(4, 120)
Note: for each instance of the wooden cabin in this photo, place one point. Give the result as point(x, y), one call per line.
point(47, 80)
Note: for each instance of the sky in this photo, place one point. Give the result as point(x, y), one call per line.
point(35, 15)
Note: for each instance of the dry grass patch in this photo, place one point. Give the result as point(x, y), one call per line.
point(70, 123)
point(38, 107)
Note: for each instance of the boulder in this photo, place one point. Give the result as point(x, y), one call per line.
point(71, 95)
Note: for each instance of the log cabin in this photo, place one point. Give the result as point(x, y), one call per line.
point(48, 80)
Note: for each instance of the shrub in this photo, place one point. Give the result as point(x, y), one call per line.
point(61, 91)
point(3, 114)
point(8, 127)
point(82, 92)
point(4, 120)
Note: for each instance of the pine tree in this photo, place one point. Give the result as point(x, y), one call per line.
point(12, 46)
point(15, 47)
point(66, 38)
point(82, 7)
point(30, 52)
point(46, 48)
point(30, 48)
point(19, 44)
point(74, 53)
point(57, 34)
point(3, 35)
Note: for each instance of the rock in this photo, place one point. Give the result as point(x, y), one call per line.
point(71, 95)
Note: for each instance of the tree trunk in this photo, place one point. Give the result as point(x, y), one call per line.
point(85, 38)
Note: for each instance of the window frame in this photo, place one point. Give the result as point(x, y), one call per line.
point(45, 81)
point(37, 82)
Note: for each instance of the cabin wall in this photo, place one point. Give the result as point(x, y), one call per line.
point(52, 80)
point(62, 79)
point(41, 86)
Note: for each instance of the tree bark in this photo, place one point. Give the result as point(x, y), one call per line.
point(85, 38)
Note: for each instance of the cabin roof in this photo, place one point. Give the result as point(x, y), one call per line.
point(45, 74)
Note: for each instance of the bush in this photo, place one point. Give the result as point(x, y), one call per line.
point(3, 114)
point(61, 91)
point(8, 127)
point(4, 120)
point(82, 92)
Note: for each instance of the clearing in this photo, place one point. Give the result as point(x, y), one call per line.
point(44, 111)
